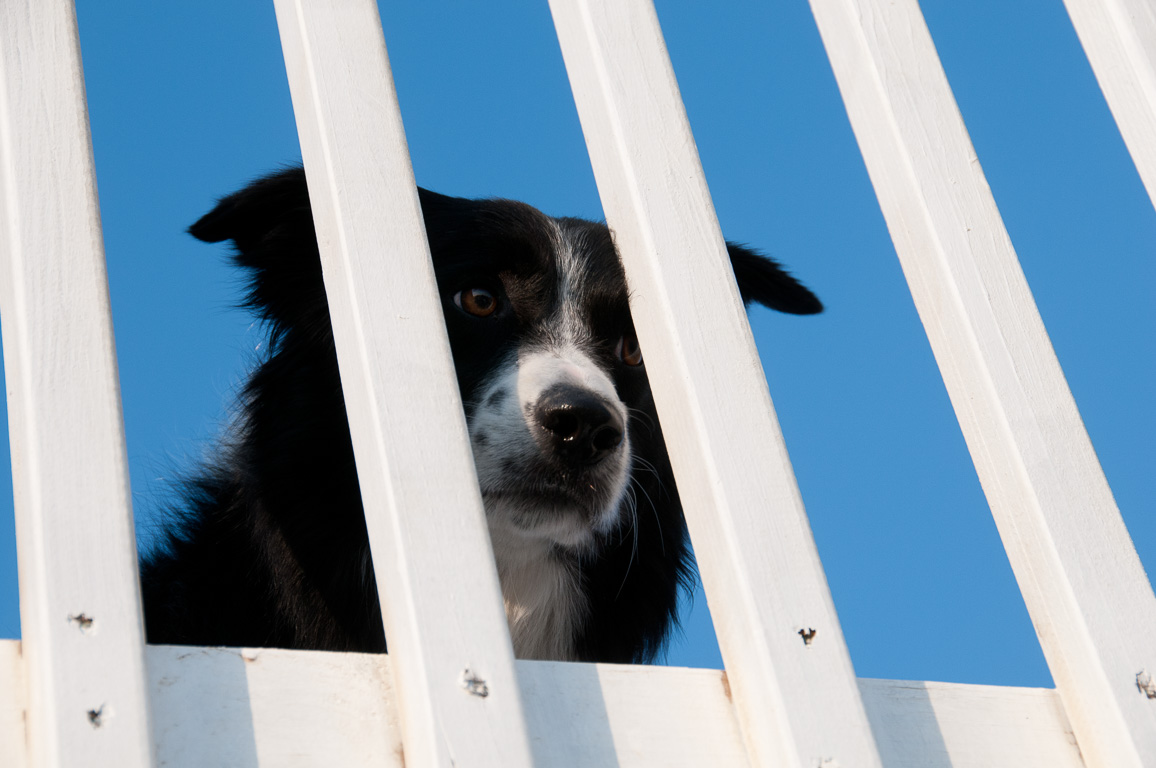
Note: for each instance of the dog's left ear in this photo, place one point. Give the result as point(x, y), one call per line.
point(762, 280)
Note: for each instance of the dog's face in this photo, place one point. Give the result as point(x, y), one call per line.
point(548, 364)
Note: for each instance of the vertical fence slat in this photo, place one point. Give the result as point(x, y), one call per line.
point(1083, 583)
point(79, 599)
point(1119, 38)
point(439, 587)
point(798, 702)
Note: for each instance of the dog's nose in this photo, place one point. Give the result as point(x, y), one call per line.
point(576, 425)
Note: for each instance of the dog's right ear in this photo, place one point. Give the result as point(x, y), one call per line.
point(271, 226)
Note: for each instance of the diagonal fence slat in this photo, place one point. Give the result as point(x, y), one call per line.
point(1119, 38)
point(80, 610)
point(440, 597)
point(1085, 588)
point(797, 701)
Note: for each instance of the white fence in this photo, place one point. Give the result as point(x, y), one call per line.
point(83, 689)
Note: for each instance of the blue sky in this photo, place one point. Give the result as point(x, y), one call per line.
point(189, 101)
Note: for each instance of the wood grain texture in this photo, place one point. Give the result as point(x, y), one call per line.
point(1087, 593)
point(248, 707)
point(442, 606)
point(1119, 38)
point(79, 594)
point(798, 702)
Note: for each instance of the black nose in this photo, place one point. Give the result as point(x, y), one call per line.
point(576, 426)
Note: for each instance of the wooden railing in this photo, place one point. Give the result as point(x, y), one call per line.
point(82, 688)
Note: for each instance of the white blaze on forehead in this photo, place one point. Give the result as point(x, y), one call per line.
point(570, 324)
point(569, 267)
point(563, 361)
point(542, 369)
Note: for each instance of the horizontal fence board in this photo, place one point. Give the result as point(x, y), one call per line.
point(79, 596)
point(946, 725)
point(798, 702)
point(13, 706)
point(1119, 38)
point(630, 716)
point(441, 601)
point(250, 707)
point(1087, 593)
point(337, 709)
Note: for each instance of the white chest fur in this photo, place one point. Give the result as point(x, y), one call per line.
point(544, 601)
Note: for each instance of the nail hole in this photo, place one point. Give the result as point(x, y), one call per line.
point(95, 716)
point(82, 621)
point(1146, 683)
point(473, 684)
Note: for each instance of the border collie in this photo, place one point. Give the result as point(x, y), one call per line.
point(268, 546)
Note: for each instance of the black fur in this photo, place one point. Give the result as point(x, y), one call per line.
point(270, 547)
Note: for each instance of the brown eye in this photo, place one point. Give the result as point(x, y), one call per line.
point(476, 301)
point(628, 351)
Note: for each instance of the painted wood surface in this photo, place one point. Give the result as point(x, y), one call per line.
point(444, 617)
point(623, 715)
point(1119, 37)
point(243, 708)
point(946, 725)
point(79, 595)
point(13, 706)
point(1087, 593)
point(269, 707)
point(797, 700)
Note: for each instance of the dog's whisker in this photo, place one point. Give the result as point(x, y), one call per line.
point(657, 518)
point(632, 507)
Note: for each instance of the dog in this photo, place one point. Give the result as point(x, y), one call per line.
point(268, 544)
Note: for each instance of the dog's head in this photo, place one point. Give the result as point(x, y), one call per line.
point(554, 383)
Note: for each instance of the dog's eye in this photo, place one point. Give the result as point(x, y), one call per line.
point(628, 351)
point(476, 301)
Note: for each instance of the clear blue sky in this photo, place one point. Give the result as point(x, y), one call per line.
point(189, 101)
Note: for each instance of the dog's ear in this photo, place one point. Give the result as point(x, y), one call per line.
point(271, 226)
point(265, 207)
point(762, 280)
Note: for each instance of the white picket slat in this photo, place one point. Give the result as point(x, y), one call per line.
point(439, 587)
point(1086, 591)
point(250, 707)
point(1119, 38)
point(797, 700)
point(79, 596)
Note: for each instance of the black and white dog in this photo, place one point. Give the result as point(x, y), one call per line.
point(270, 546)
